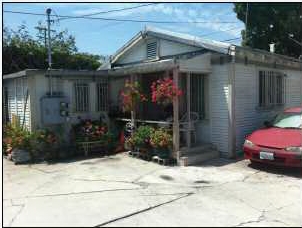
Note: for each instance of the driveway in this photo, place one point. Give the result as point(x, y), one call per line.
point(123, 191)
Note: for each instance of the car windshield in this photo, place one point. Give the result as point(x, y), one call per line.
point(288, 120)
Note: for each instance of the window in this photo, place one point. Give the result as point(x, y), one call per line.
point(151, 50)
point(81, 97)
point(271, 88)
point(198, 94)
point(102, 95)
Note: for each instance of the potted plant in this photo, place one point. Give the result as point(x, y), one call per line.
point(161, 141)
point(140, 139)
point(163, 91)
point(17, 143)
point(131, 97)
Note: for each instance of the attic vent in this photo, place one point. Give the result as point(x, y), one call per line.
point(152, 50)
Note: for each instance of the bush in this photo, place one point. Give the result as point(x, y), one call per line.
point(16, 137)
point(161, 138)
point(141, 137)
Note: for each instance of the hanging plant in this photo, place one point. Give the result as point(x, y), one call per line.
point(131, 96)
point(164, 91)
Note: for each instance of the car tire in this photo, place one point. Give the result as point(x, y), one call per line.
point(254, 163)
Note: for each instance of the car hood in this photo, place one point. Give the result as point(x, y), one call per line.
point(276, 137)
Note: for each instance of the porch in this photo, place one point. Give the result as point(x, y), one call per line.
point(187, 116)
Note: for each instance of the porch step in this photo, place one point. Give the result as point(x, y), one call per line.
point(199, 154)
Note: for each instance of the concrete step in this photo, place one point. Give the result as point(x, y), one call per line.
point(198, 155)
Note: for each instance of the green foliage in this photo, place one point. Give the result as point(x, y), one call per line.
point(161, 138)
point(141, 137)
point(16, 137)
point(21, 51)
point(271, 23)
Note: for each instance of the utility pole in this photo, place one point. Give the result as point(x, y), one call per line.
point(48, 12)
point(246, 16)
point(44, 29)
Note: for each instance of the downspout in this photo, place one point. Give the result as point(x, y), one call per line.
point(231, 105)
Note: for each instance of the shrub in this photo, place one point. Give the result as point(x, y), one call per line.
point(161, 138)
point(16, 137)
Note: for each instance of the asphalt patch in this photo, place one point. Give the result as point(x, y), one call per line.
point(166, 177)
point(202, 182)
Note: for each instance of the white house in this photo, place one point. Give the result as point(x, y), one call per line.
point(232, 89)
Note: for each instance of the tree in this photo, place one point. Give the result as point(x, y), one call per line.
point(21, 51)
point(272, 23)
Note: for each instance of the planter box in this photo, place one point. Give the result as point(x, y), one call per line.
point(20, 156)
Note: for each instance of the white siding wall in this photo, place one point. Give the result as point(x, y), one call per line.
point(247, 114)
point(167, 47)
point(135, 54)
point(218, 90)
point(39, 87)
point(17, 95)
point(294, 88)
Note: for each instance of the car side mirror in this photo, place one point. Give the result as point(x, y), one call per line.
point(267, 123)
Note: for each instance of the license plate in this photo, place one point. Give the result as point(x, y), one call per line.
point(266, 155)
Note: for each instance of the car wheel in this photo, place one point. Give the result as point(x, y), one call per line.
point(254, 163)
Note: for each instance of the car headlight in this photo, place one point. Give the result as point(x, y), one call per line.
point(248, 143)
point(297, 149)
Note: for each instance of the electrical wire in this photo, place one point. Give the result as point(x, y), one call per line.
point(230, 39)
point(118, 10)
point(125, 20)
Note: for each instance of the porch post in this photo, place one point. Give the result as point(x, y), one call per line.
point(188, 139)
point(176, 152)
point(133, 112)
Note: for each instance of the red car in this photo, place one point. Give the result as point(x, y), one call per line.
point(280, 142)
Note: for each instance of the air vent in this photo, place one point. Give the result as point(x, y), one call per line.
point(152, 50)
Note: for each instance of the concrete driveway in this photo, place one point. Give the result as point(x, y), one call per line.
point(123, 191)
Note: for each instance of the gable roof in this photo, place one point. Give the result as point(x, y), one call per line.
point(211, 45)
point(191, 40)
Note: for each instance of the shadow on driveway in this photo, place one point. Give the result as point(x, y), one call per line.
point(279, 170)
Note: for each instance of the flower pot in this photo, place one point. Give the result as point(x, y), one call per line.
point(163, 153)
point(20, 156)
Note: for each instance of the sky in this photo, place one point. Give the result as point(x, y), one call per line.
point(105, 37)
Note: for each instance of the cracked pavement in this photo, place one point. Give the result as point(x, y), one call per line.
point(123, 191)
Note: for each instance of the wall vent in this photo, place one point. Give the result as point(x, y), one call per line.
point(152, 50)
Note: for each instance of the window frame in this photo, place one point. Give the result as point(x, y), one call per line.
point(102, 105)
point(201, 88)
point(85, 98)
point(271, 88)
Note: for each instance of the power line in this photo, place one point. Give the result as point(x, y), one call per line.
point(207, 34)
point(124, 20)
point(231, 39)
point(110, 11)
point(118, 10)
